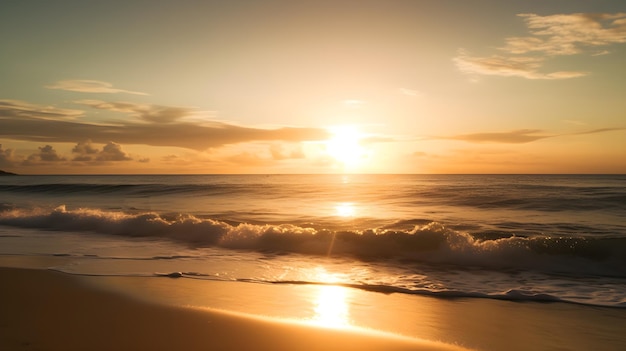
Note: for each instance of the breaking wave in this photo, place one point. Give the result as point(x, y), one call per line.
point(432, 243)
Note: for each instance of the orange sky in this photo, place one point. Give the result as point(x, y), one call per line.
point(313, 87)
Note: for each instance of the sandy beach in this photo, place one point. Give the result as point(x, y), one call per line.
point(477, 324)
point(45, 310)
point(48, 310)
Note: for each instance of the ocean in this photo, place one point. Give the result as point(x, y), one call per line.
point(548, 238)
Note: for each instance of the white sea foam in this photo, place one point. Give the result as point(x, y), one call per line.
point(431, 243)
point(545, 238)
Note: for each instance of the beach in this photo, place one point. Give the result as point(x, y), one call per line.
point(44, 310)
point(257, 263)
point(47, 310)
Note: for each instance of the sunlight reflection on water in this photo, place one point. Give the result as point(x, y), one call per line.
point(331, 305)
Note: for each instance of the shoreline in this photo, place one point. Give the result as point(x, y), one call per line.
point(44, 309)
point(47, 310)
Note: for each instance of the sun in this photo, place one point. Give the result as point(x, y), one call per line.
point(345, 145)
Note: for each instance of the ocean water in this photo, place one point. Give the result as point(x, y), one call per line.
point(544, 238)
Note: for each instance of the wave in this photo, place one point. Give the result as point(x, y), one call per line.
point(153, 189)
point(510, 295)
point(517, 295)
point(432, 242)
point(503, 192)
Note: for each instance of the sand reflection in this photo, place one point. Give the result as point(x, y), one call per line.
point(331, 307)
point(330, 302)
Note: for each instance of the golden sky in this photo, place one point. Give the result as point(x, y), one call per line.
point(313, 86)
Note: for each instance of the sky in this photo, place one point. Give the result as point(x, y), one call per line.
point(154, 86)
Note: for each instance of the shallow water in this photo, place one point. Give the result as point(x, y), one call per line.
point(508, 237)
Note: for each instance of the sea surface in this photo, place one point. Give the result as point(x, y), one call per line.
point(546, 238)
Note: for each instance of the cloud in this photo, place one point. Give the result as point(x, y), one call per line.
point(21, 109)
point(278, 153)
point(8, 157)
point(170, 158)
point(46, 154)
point(568, 34)
point(177, 160)
point(595, 131)
point(146, 112)
point(601, 53)
point(90, 86)
point(86, 152)
point(521, 136)
point(248, 159)
point(550, 36)
point(509, 66)
point(84, 149)
point(31, 126)
point(514, 137)
point(112, 152)
point(83, 152)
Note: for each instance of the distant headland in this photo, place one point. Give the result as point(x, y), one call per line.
point(3, 173)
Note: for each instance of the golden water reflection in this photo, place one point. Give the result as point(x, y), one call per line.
point(331, 307)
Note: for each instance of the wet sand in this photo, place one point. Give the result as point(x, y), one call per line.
point(42, 309)
point(480, 324)
point(46, 310)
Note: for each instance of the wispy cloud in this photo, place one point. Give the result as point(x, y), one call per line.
point(550, 36)
point(146, 112)
point(521, 136)
point(509, 66)
point(596, 131)
point(568, 34)
point(513, 137)
point(90, 86)
point(601, 53)
point(21, 109)
point(33, 125)
point(279, 152)
point(248, 159)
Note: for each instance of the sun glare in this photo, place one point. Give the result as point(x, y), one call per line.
point(331, 307)
point(345, 145)
point(331, 303)
point(345, 209)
